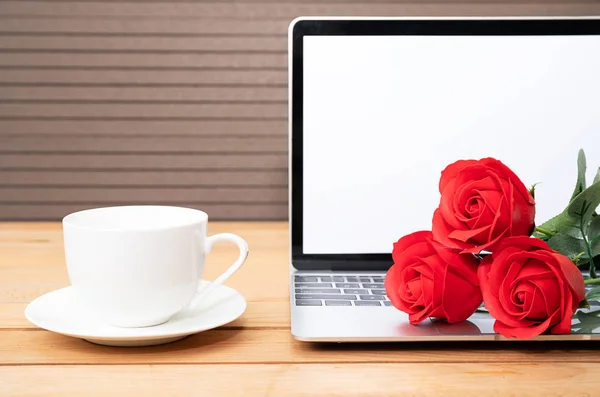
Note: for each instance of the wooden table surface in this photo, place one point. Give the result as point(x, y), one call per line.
point(255, 355)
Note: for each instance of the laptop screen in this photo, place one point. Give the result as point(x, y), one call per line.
point(384, 115)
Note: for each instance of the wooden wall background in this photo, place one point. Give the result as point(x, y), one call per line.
point(154, 101)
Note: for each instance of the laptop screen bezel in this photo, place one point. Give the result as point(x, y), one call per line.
point(385, 27)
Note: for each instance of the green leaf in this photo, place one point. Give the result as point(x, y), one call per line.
point(597, 179)
point(593, 234)
point(582, 208)
point(593, 229)
point(568, 221)
point(567, 245)
point(541, 236)
point(561, 223)
point(593, 294)
point(588, 322)
point(595, 245)
point(581, 168)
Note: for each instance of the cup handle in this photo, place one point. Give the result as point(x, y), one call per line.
point(210, 241)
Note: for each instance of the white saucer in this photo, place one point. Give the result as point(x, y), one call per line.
point(59, 311)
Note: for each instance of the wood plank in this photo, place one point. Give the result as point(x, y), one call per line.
point(267, 234)
point(155, 60)
point(147, 111)
point(219, 212)
point(185, 162)
point(266, 178)
point(32, 259)
point(289, 10)
point(146, 26)
point(132, 144)
point(267, 346)
point(147, 94)
point(153, 78)
point(167, 195)
point(145, 128)
point(12, 316)
point(258, 315)
point(140, 43)
point(423, 379)
point(260, 359)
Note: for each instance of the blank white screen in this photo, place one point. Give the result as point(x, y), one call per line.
point(383, 115)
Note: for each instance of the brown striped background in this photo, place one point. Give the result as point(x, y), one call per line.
point(169, 102)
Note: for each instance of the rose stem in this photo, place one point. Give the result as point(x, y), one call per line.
point(544, 231)
point(592, 281)
point(589, 250)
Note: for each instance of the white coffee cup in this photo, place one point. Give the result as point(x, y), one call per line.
point(136, 266)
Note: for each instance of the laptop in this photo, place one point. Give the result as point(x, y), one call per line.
point(378, 108)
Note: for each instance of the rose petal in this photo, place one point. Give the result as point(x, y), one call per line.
point(485, 218)
point(490, 246)
point(417, 318)
point(523, 243)
point(408, 276)
point(523, 216)
point(510, 175)
point(506, 190)
point(467, 191)
point(437, 312)
point(409, 256)
point(557, 293)
point(537, 308)
point(521, 332)
point(573, 277)
point(549, 295)
point(414, 288)
point(497, 229)
point(447, 207)
point(451, 171)
point(441, 231)
point(474, 172)
point(409, 240)
point(461, 298)
point(466, 235)
point(466, 265)
point(491, 198)
point(429, 288)
point(514, 223)
point(522, 294)
point(533, 274)
point(563, 326)
point(492, 303)
point(505, 295)
point(474, 206)
point(502, 261)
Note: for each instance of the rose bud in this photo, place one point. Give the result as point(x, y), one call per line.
point(431, 280)
point(482, 202)
point(530, 288)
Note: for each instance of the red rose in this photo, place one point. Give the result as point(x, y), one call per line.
point(529, 288)
point(430, 280)
point(482, 202)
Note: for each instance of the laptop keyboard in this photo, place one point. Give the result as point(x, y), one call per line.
point(343, 290)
